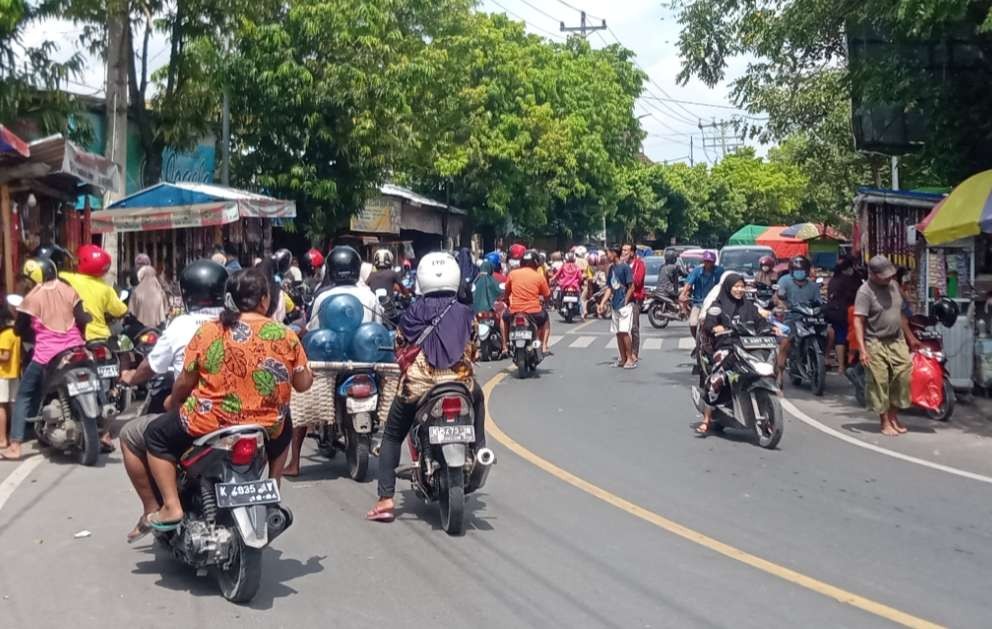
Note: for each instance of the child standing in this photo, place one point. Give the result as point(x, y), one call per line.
point(10, 370)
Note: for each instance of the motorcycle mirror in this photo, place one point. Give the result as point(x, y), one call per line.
point(502, 286)
point(125, 294)
point(15, 300)
point(380, 292)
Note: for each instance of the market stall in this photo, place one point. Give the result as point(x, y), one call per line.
point(784, 247)
point(175, 223)
point(747, 235)
point(823, 241)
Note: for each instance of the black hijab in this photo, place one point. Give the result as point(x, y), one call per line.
point(729, 306)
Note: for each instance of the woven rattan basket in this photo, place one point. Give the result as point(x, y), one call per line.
point(317, 405)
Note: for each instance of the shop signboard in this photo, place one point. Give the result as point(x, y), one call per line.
point(381, 215)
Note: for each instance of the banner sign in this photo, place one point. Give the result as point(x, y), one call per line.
point(381, 215)
point(155, 219)
point(93, 169)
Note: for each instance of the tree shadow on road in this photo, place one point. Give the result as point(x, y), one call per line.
point(276, 571)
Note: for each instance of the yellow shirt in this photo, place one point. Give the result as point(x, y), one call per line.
point(10, 369)
point(99, 300)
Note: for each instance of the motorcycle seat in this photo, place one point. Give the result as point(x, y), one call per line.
point(227, 431)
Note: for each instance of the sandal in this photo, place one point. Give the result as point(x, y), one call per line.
point(380, 515)
point(140, 529)
point(703, 429)
point(162, 527)
point(107, 448)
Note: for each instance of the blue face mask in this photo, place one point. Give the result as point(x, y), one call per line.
point(799, 275)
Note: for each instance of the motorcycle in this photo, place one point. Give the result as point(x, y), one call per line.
point(526, 347)
point(596, 295)
point(568, 304)
point(807, 362)
point(231, 511)
point(490, 336)
point(72, 414)
point(663, 309)
point(749, 398)
point(446, 465)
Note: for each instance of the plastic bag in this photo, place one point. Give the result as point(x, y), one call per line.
point(926, 384)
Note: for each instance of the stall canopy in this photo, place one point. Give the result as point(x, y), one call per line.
point(167, 206)
point(747, 235)
point(783, 246)
point(10, 143)
point(966, 212)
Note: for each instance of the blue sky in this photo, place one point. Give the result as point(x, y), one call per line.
point(647, 27)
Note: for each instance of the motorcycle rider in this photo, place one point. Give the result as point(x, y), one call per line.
point(385, 277)
point(52, 314)
point(446, 355)
point(668, 276)
point(569, 276)
point(526, 287)
point(794, 289)
point(202, 285)
point(99, 298)
point(700, 281)
point(730, 307)
point(766, 274)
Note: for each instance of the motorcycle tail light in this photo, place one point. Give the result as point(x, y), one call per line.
point(79, 355)
point(244, 450)
point(148, 338)
point(360, 387)
point(100, 352)
point(520, 321)
point(451, 408)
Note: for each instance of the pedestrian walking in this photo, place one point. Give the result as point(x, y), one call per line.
point(882, 332)
point(619, 293)
point(841, 291)
point(638, 270)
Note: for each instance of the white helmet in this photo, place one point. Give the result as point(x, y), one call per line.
point(580, 251)
point(383, 259)
point(438, 272)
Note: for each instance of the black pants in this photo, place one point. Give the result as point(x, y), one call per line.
point(398, 424)
point(635, 330)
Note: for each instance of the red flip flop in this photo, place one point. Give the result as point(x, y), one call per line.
point(380, 515)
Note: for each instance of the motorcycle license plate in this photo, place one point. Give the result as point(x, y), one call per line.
point(108, 371)
point(571, 299)
point(451, 434)
point(521, 335)
point(256, 492)
point(759, 342)
point(85, 386)
point(815, 321)
point(362, 405)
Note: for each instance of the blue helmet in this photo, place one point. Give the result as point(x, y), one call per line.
point(493, 259)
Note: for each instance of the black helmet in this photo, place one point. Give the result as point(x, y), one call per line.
point(202, 284)
point(59, 256)
point(946, 311)
point(530, 259)
point(344, 265)
point(671, 257)
point(799, 263)
point(281, 260)
point(39, 270)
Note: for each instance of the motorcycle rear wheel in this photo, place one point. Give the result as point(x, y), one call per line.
point(768, 429)
point(240, 581)
point(946, 409)
point(657, 318)
point(357, 452)
point(524, 368)
point(452, 501)
point(569, 315)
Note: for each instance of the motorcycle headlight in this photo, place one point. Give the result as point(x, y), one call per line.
point(760, 366)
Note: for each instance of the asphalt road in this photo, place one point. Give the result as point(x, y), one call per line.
point(770, 538)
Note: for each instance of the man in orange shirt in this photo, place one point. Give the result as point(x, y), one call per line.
point(526, 286)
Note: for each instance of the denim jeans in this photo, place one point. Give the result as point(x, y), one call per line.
point(28, 399)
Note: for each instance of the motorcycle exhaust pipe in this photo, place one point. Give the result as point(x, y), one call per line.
point(484, 461)
point(278, 519)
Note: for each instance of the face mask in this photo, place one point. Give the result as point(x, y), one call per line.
point(799, 275)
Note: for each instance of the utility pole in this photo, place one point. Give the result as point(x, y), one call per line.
point(583, 29)
point(225, 167)
point(692, 157)
point(116, 106)
point(722, 140)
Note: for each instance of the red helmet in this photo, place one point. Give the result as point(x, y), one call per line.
point(517, 251)
point(93, 261)
point(315, 258)
point(768, 261)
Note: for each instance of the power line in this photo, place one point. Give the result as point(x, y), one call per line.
point(692, 102)
point(542, 12)
point(551, 35)
point(583, 29)
point(575, 8)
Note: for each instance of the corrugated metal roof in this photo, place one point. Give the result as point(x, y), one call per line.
point(393, 190)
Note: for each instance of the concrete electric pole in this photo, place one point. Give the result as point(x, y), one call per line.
point(583, 29)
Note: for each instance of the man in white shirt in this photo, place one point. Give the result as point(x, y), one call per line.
point(344, 267)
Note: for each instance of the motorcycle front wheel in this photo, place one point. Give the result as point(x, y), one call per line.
point(657, 318)
point(816, 366)
point(946, 409)
point(239, 581)
point(764, 418)
point(89, 450)
point(452, 501)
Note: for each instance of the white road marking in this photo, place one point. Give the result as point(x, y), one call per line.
point(17, 477)
point(790, 408)
point(583, 342)
point(612, 344)
point(581, 325)
point(652, 343)
point(687, 342)
point(554, 339)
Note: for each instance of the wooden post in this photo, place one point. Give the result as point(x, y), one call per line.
point(8, 241)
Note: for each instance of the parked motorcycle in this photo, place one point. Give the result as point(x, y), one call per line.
point(807, 364)
point(490, 336)
point(749, 398)
point(526, 347)
point(568, 304)
point(663, 309)
point(231, 511)
point(447, 466)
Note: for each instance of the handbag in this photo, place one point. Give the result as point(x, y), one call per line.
point(408, 353)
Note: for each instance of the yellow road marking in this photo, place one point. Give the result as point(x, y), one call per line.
point(831, 591)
